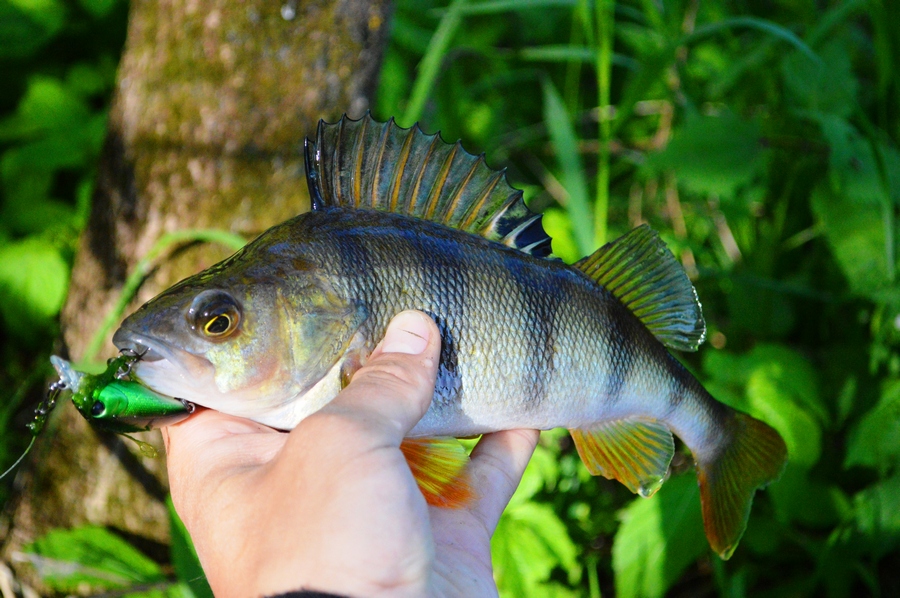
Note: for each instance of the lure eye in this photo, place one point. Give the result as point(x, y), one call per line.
point(214, 315)
point(98, 408)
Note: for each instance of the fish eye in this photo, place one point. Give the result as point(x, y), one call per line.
point(214, 315)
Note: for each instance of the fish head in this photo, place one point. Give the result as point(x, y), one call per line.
point(245, 340)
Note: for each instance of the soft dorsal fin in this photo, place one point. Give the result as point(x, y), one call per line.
point(641, 272)
point(366, 164)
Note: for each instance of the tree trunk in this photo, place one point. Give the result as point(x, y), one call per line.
point(213, 100)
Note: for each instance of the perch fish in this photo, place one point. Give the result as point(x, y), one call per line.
point(401, 220)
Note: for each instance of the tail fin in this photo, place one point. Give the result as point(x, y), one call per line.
point(753, 457)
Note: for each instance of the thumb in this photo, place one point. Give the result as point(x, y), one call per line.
point(395, 387)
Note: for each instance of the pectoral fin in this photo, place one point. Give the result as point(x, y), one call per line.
point(439, 467)
point(637, 452)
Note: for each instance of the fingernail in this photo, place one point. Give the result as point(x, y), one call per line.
point(408, 333)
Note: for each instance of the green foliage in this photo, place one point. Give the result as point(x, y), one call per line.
point(93, 556)
point(761, 140)
point(659, 538)
point(531, 540)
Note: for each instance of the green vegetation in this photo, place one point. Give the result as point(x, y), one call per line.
point(760, 140)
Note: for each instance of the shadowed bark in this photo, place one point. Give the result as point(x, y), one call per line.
point(212, 102)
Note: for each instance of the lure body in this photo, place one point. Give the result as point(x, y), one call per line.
point(116, 404)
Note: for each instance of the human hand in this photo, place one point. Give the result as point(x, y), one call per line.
point(332, 506)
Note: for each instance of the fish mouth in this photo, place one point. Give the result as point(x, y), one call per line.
point(167, 369)
point(145, 348)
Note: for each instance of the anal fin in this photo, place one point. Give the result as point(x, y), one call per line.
point(637, 452)
point(439, 468)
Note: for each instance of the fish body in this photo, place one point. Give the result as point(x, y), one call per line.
point(402, 222)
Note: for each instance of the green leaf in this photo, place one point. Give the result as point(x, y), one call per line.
point(33, 282)
point(430, 66)
point(873, 442)
point(856, 236)
point(826, 86)
point(565, 146)
point(184, 556)
point(659, 537)
point(791, 496)
point(878, 513)
point(26, 25)
point(47, 105)
point(98, 8)
point(769, 27)
point(712, 155)
point(66, 559)
point(559, 226)
point(529, 543)
point(778, 386)
point(854, 167)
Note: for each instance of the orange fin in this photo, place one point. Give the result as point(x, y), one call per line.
point(637, 452)
point(754, 457)
point(439, 467)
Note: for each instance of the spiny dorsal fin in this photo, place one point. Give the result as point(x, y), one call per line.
point(643, 274)
point(366, 164)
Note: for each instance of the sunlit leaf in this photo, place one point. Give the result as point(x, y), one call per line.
point(67, 558)
point(529, 543)
point(778, 387)
point(565, 145)
point(857, 237)
point(558, 225)
point(47, 105)
point(659, 537)
point(184, 557)
point(33, 282)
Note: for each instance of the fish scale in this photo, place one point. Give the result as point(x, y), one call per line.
point(401, 220)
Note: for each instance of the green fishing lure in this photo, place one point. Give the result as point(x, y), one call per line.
point(110, 400)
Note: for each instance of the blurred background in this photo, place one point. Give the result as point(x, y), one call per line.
point(759, 139)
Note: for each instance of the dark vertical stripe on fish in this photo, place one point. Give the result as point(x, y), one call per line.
point(353, 264)
point(621, 348)
point(443, 268)
point(678, 375)
point(541, 301)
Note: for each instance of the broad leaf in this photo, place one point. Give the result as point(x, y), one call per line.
point(66, 559)
point(713, 155)
point(659, 537)
point(33, 282)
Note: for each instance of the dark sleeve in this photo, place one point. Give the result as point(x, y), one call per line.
point(307, 594)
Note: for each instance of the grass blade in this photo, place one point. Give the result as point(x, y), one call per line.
point(430, 65)
point(565, 145)
point(769, 27)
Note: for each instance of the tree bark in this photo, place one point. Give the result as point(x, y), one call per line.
point(212, 103)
